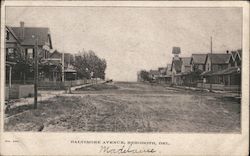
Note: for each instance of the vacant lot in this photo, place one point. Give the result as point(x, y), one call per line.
point(131, 107)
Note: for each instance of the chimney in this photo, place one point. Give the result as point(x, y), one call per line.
point(22, 30)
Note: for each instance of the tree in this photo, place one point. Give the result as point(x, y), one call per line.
point(23, 67)
point(88, 62)
point(144, 75)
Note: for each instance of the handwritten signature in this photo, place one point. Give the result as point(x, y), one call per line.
point(125, 149)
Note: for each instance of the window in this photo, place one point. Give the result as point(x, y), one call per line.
point(7, 35)
point(10, 53)
point(30, 53)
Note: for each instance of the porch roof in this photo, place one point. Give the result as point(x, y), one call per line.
point(231, 70)
point(207, 73)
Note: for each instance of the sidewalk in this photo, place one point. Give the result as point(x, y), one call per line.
point(44, 95)
point(227, 93)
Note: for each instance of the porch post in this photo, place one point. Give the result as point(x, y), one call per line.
point(10, 69)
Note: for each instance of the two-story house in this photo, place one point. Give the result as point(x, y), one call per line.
point(21, 41)
point(230, 77)
point(217, 61)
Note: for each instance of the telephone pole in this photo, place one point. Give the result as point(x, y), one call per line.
point(35, 72)
point(63, 67)
point(211, 51)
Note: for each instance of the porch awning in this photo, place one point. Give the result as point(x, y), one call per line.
point(207, 73)
point(228, 71)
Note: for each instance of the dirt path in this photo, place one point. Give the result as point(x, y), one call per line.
point(131, 107)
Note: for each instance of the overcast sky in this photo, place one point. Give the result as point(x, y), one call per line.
point(131, 39)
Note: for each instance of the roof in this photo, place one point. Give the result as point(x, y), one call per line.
point(239, 52)
point(219, 58)
point(207, 73)
point(154, 72)
point(233, 53)
point(198, 58)
point(51, 62)
point(13, 33)
point(186, 61)
point(231, 70)
point(42, 34)
point(176, 64)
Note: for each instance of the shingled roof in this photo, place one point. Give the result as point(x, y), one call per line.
point(186, 61)
point(154, 72)
point(198, 58)
point(42, 34)
point(219, 58)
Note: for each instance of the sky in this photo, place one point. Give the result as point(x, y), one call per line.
point(134, 38)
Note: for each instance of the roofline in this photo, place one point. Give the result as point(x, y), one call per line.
point(12, 32)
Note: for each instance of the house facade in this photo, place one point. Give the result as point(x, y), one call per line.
point(20, 44)
point(176, 71)
point(223, 71)
point(198, 62)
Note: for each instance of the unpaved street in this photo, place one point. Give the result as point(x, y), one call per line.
point(131, 107)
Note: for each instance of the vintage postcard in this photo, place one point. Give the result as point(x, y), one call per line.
point(124, 78)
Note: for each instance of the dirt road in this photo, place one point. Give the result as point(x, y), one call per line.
point(132, 107)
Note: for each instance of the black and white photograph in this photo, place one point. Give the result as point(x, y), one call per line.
point(123, 69)
point(124, 78)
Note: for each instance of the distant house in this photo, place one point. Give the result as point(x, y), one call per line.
point(223, 71)
point(186, 64)
point(198, 62)
point(55, 60)
point(217, 61)
point(176, 71)
point(153, 74)
point(186, 70)
point(162, 75)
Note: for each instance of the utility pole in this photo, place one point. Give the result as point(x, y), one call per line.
point(35, 72)
point(211, 51)
point(63, 67)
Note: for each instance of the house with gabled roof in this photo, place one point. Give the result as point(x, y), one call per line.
point(20, 43)
point(28, 36)
point(222, 71)
point(198, 62)
point(19, 51)
point(217, 61)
